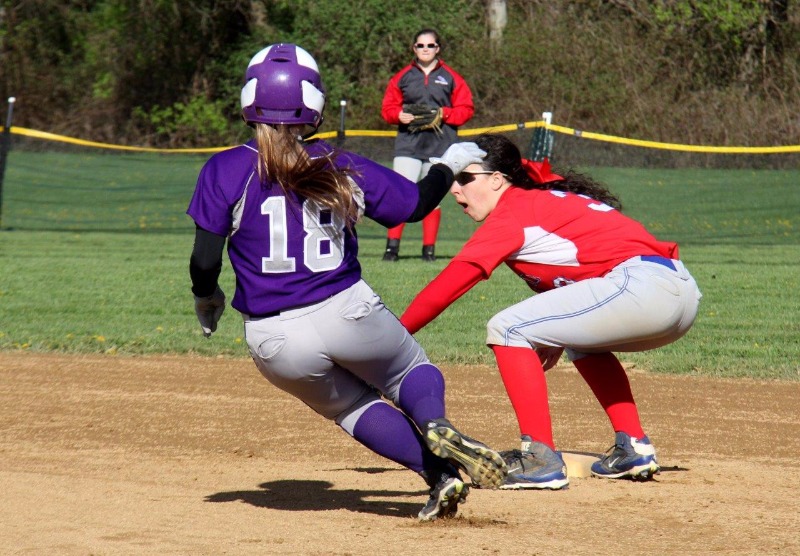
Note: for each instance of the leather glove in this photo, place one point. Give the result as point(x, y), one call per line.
point(460, 155)
point(426, 118)
point(209, 310)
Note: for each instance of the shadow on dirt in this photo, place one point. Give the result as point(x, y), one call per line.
point(299, 495)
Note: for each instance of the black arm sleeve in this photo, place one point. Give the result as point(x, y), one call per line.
point(432, 189)
point(205, 263)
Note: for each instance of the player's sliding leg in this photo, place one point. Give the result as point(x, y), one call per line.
point(421, 396)
point(390, 433)
point(484, 466)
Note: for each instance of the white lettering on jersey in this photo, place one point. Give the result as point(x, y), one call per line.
point(599, 207)
point(279, 260)
point(324, 241)
point(323, 238)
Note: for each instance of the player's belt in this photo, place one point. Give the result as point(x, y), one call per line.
point(663, 261)
point(261, 316)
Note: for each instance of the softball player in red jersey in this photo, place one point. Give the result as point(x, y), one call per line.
point(603, 284)
point(288, 208)
point(426, 80)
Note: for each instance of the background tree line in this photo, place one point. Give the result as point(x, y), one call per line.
point(168, 72)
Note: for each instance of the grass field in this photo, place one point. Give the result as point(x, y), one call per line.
point(94, 259)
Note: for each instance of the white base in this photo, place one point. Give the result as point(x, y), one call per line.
point(579, 464)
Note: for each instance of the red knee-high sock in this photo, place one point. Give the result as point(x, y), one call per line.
point(396, 232)
point(609, 383)
point(523, 377)
point(430, 227)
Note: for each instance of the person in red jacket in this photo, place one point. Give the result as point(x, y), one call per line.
point(426, 80)
point(603, 284)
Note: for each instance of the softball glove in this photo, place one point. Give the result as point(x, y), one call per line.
point(426, 118)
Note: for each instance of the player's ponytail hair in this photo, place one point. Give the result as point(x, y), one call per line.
point(282, 159)
point(502, 155)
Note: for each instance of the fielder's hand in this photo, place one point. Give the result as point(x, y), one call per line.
point(460, 155)
point(209, 310)
point(549, 356)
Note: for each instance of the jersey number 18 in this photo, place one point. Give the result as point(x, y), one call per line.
point(323, 244)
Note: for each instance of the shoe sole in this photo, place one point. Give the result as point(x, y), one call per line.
point(447, 504)
point(555, 484)
point(637, 473)
point(484, 466)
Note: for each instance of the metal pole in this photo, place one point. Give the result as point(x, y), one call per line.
point(5, 146)
point(340, 133)
point(548, 135)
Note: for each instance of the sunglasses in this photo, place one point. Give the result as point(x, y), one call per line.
point(463, 178)
point(420, 46)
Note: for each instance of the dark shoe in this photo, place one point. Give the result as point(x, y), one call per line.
point(484, 466)
point(534, 466)
point(446, 494)
point(629, 458)
point(392, 252)
point(427, 253)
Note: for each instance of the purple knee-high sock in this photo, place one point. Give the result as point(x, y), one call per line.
point(422, 394)
point(388, 432)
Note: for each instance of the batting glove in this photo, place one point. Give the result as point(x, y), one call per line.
point(209, 310)
point(460, 155)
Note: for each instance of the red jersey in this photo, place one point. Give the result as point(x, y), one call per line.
point(552, 238)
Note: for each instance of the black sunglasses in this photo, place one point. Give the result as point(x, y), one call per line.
point(420, 46)
point(463, 178)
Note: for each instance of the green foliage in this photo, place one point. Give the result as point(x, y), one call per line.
point(724, 20)
point(710, 71)
point(359, 45)
point(720, 31)
point(182, 123)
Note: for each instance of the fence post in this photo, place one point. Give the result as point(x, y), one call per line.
point(542, 141)
point(5, 146)
point(340, 132)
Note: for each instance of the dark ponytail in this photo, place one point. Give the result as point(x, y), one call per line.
point(503, 156)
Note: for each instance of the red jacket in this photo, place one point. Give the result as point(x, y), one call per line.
point(442, 87)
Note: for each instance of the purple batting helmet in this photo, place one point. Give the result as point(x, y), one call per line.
point(283, 86)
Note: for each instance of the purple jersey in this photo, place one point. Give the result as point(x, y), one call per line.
point(285, 250)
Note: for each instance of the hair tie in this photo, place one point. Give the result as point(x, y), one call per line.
point(540, 172)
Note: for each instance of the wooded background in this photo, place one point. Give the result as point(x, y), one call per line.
point(168, 72)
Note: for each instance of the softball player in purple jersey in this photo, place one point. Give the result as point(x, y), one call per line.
point(315, 329)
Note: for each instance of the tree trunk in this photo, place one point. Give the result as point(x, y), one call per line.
point(497, 18)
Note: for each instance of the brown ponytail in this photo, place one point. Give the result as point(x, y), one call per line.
point(282, 159)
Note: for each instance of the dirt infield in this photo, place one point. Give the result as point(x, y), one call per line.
point(170, 455)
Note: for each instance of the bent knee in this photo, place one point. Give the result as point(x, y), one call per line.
point(348, 418)
point(501, 330)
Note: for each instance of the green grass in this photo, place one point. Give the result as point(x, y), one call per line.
point(125, 289)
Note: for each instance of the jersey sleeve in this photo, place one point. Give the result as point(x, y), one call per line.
point(393, 100)
point(461, 107)
point(389, 198)
point(211, 203)
point(455, 280)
